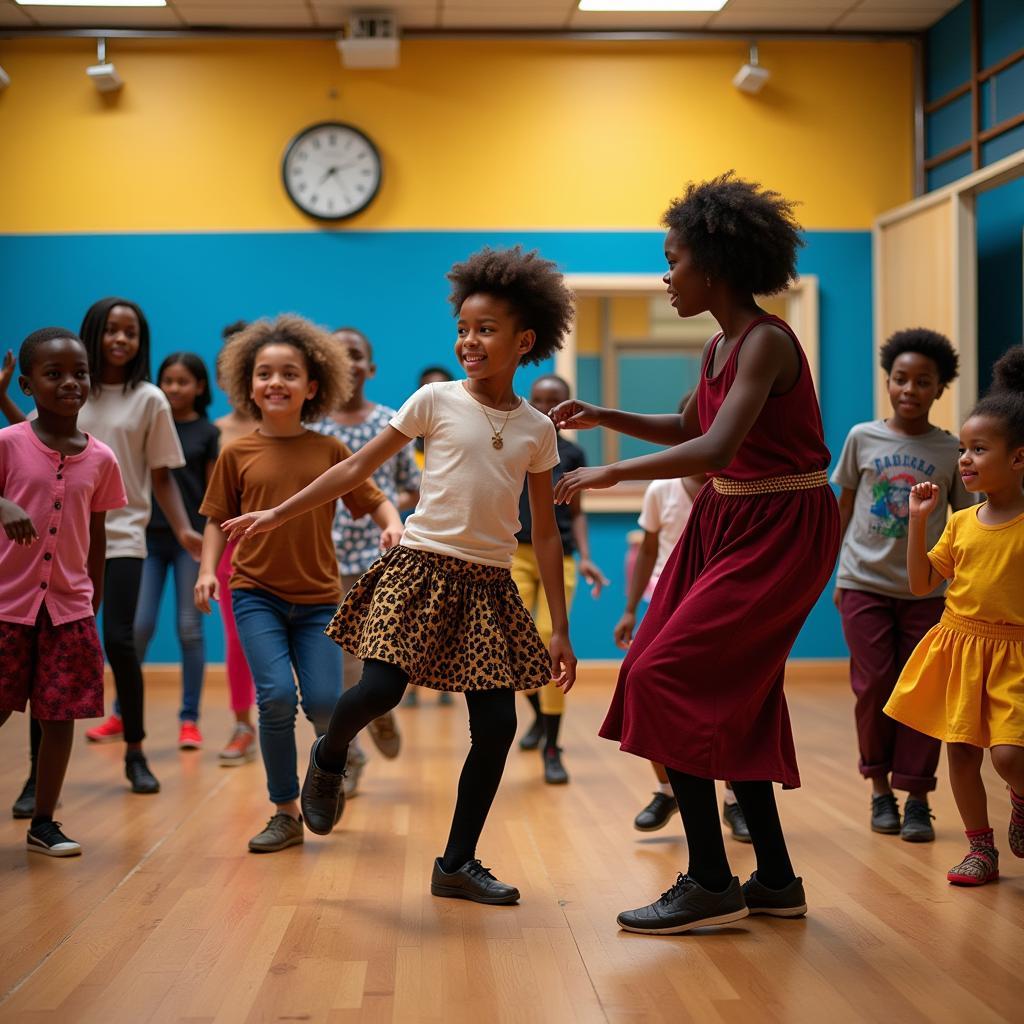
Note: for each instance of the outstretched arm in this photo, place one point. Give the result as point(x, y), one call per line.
point(338, 480)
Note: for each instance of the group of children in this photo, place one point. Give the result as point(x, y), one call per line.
point(470, 594)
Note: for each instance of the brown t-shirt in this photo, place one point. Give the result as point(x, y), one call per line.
point(296, 561)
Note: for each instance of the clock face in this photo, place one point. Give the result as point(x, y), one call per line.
point(331, 171)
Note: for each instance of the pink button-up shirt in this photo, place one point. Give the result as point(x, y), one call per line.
point(59, 493)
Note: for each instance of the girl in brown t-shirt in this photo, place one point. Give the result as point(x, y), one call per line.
point(284, 586)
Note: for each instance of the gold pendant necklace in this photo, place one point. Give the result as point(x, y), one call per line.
point(496, 439)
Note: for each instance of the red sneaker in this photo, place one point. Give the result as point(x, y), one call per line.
point(189, 737)
point(106, 732)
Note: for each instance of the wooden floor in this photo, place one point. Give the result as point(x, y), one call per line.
point(166, 917)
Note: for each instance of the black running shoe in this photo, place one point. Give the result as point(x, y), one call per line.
point(885, 815)
point(323, 796)
point(25, 805)
point(554, 771)
point(142, 779)
point(732, 815)
point(685, 906)
point(917, 822)
point(47, 838)
point(787, 902)
point(471, 882)
point(532, 737)
point(656, 814)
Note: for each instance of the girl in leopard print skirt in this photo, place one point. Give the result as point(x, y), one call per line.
point(441, 610)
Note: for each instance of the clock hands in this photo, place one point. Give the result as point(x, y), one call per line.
point(330, 171)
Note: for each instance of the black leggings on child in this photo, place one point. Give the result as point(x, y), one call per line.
point(121, 582)
point(492, 727)
point(698, 807)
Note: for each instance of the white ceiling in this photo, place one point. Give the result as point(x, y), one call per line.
point(546, 15)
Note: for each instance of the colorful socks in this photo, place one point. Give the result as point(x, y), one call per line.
point(1016, 831)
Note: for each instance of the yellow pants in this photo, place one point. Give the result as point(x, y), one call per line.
point(526, 573)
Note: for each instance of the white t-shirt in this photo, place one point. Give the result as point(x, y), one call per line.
point(469, 497)
point(665, 510)
point(139, 427)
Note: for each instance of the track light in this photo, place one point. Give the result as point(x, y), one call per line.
point(104, 76)
point(5, 79)
point(751, 77)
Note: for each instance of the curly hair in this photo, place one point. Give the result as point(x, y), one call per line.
point(738, 232)
point(930, 344)
point(1005, 400)
point(327, 363)
point(532, 286)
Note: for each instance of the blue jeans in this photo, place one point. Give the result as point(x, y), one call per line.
point(283, 641)
point(165, 554)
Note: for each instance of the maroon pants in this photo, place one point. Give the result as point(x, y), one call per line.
point(881, 633)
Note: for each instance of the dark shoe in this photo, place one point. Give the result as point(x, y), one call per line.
point(532, 737)
point(279, 833)
point(25, 805)
point(384, 732)
point(471, 882)
point(47, 838)
point(656, 814)
point(917, 822)
point(732, 815)
point(787, 902)
point(686, 905)
point(554, 771)
point(323, 796)
point(139, 775)
point(885, 815)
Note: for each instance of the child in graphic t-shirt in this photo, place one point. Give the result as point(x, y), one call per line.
point(883, 621)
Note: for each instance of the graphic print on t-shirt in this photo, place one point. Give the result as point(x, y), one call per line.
point(890, 493)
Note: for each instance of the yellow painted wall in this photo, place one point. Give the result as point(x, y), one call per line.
point(552, 134)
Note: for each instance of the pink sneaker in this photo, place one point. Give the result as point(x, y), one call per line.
point(106, 732)
point(189, 737)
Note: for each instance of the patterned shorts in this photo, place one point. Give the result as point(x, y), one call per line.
point(57, 670)
point(450, 624)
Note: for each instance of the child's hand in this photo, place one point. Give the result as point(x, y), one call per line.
point(563, 662)
point(584, 479)
point(576, 415)
point(192, 542)
point(16, 523)
point(250, 524)
point(390, 537)
point(624, 630)
point(593, 576)
point(206, 590)
point(6, 372)
point(923, 500)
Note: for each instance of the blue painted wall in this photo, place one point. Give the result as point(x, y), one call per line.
point(392, 285)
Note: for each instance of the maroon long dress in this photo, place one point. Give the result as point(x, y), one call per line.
point(701, 689)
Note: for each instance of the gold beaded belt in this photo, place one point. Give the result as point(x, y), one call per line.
point(771, 484)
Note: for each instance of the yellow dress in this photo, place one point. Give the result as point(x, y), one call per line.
point(964, 683)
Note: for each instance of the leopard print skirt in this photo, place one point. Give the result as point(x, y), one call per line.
point(451, 624)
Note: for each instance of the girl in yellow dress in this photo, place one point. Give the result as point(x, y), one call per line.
point(965, 681)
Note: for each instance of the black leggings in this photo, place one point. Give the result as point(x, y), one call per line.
point(492, 728)
point(121, 582)
point(698, 807)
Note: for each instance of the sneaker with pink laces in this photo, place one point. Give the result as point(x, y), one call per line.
point(981, 864)
point(1016, 833)
point(189, 737)
point(241, 747)
point(106, 732)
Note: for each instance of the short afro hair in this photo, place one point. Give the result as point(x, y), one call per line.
point(29, 347)
point(738, 232)
point(327, 363)
point(1005, 401)
point(532, 286)
point(924, 342)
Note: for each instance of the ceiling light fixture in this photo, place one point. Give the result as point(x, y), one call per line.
point(104, 76)
point(91, 3)
point(751, 78)
point(651, 6)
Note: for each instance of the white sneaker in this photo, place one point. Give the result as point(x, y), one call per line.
point(47, 838)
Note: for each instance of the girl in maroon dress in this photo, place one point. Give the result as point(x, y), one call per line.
point(701, 690)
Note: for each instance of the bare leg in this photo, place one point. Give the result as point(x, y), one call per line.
point(54, 754)
point(967, 785)
point(1008, 761)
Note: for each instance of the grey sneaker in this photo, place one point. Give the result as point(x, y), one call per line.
point(787, 902)
point(353, 771)
point(279, 833)
point(917, 822)
point(685, 906)
point(885, 815)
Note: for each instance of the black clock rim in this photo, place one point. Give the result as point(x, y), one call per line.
point(298, 137)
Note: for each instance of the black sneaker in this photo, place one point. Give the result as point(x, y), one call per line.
point(471, 882)
point(139, 775)
point(656, 814)
point(732, 815)
point(885, 815)
point(787, 902)
point(25, 805)
point(554, 771)
point(685, 906)
point(47, 838)
point(323, 796)
point(917, 822)
point(532, 737)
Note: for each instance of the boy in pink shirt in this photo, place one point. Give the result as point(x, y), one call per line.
point(56, 486)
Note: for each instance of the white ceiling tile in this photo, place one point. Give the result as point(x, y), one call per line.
point(888, 20)
point(798, 18)
point(420, 14)
point(490, 16)
point(106, 17)
point(640, 21)
point(249, 16)
point(786, 6)
point(939, 7)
